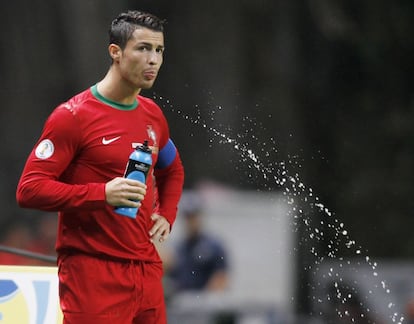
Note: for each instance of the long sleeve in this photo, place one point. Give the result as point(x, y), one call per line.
point(41, 185)
point(169, 175)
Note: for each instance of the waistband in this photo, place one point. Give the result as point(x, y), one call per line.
point(103, 257)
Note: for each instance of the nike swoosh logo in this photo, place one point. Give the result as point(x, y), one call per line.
point(109, 141)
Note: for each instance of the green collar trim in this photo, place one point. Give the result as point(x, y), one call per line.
point(114, 104)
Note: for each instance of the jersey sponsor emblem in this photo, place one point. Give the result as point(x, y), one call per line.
point(44, 149)
point(109, 141)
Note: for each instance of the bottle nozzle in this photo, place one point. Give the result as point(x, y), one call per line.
point(144, 147)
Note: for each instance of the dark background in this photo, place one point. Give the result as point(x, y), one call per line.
point(322, 85)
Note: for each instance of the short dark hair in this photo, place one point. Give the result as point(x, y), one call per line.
point(123, 26)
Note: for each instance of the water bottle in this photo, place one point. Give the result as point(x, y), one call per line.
point(137, 168)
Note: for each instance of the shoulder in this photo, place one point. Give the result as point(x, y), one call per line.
point(148, 103)
point(77, 102)
point(213, 242)
point(66, 114)
point(146, 100)
point(82, 107)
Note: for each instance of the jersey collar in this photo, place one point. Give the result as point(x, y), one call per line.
point(114, 104)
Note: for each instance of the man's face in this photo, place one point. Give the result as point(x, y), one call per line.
point(142, 57)
point(193, 223)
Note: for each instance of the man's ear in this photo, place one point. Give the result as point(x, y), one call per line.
point(115, 52)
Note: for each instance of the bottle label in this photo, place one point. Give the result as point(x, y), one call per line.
point(136, 166)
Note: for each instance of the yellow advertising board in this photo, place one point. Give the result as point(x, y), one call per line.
point(29, 295)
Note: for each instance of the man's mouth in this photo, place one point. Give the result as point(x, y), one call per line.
point(150, 74)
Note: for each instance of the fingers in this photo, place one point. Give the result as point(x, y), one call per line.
point(160, 229)
point(128, 203)
point(134, 183)
point(132, 191)
point(125, 192)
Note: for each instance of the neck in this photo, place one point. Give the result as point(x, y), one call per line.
point(113, 87)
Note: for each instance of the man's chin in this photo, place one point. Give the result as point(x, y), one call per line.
point(147, 85)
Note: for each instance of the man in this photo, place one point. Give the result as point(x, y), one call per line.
point(109, 269)
point(200, 261)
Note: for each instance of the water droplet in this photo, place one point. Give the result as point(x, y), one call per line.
point(301, 199)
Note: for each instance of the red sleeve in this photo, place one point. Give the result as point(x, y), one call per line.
point(169, 182)
point(40, 186)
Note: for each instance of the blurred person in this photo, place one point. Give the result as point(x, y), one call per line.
point(44, 237)
point(15, 234)
point(409, 312)
point(200, 260)
point(109, 269)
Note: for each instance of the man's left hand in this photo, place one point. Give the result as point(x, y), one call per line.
point(160, 229)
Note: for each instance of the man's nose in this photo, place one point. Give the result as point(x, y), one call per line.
point(154, 58)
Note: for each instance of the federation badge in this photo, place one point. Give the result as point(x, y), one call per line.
point(152, 135)
point(44, 149)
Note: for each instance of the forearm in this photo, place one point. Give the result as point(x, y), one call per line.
point(52, 195)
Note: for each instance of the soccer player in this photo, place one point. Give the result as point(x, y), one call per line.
point(109, 269)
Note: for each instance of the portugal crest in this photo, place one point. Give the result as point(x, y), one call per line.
point(151, 134)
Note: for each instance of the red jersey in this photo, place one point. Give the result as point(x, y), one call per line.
point(85, 143)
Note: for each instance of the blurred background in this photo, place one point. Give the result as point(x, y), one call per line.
point(302, 109)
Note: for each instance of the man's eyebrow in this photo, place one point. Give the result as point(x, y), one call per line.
point(150, 44)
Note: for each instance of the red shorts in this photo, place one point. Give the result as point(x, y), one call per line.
point(94, 290)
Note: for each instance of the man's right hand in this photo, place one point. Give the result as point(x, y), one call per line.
point(125, 192)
